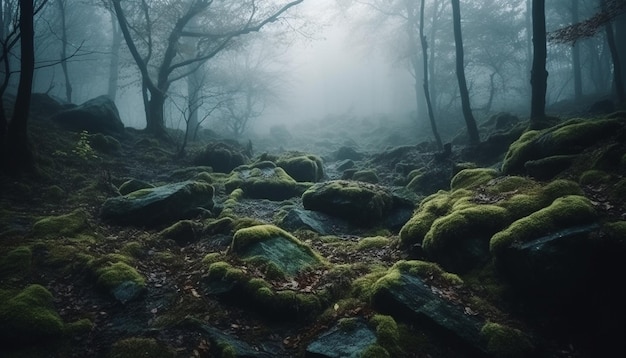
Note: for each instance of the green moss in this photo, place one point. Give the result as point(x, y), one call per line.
point(205, 177)
point(246, 237)
point(54, 193)
point(472, 221)
point(387, 333)
point(472, 178)
point(512, 183)
point(302, 168)
point(263, 181)
point(375, 242)
point(375, 351)
point(29, 317)
point(212, 257)
point(367, 176)
point(182, 232)
point(133, 248)
point(111, 276)
point(63, 225)
point(428, 270)
point(222, 270)
point(518, 150)
point(133, 185)
point(506, 342)
point(80, 327)
point(594, 177)
point(559, 188)
point(140, 347)
point(616, 231)
point(563, 212)
point(16, 262)
point(431, 208)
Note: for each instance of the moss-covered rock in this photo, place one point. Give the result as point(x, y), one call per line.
point(263, 181)
point(367, 176)
point(105, 144)
point(506, 342)
point(29, 317)
point(16, 263)
point(62, 225)
point(594, 177)
point(567, 138)
point(302, 167)
point(357, 202)
point(132, 185)
point(276, 247)
point(472, 178)
point(221, 156)
point(182, 232)
point(160, 205)
point(565, 211)
point(140, 347)
point(120, 280)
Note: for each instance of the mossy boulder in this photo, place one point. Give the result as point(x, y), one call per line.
point(564, 212)
point(63, 225)
point(367, 176)
point(506, 342)
point(426, 181)
point(568, 138)
point(16, 263)
point(120, 280)
point(182, 232)
point(264, 181)
point(105, 144)
point(275, 247)
point(221, 156)
point(29, 317)
point(97, 115)
point(357, 202)
point(350, 337)
point(472, 178)
point(160, 205)
point(132, 185)
point(302, 167)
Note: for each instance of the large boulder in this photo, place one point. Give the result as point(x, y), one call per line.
point(357, 202)
point(97, 115)
point(302, 167)
point(222, 156)
point(158, 206)
point(349, 338)
point(264, 181)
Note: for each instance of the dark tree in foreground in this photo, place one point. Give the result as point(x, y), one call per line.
point(470, 122)
point(538, 74)
point(16, 152)
point(429, 105)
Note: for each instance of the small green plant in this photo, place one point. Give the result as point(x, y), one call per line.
point(83, 148)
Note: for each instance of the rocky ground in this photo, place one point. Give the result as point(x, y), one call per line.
point(334, 240)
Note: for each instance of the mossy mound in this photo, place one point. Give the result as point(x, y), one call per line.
point(29, 317)
point(160, 205)
point(105, 144)
point(358, 202)
point(264, 181)
point(472, 178)
point(302, 167)
point(182, 232)
point(367, 176)
point(275, 247)
point(63, 225)
point(506, 342)
point(132, 185)
point(16, 263)
point(222, 157)
point(120, 280)
point(567, 138)
point(572, 210)
point(140, 347)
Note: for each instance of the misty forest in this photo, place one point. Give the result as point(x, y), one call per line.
point(312, 178)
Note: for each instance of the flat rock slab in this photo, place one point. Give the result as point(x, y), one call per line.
point(342, 342)
point(307, 219)
point(285, 254)
point(157, 206)
point(411, 299)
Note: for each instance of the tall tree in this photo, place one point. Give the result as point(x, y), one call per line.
point(576, 67)
point(116, 44)
point(617, 63)
point(62, 7)
point(248, 17)
point(21, 157)
point(539, 74)
point(470, 122)
point(425, 85)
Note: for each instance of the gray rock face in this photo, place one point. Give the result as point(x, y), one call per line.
point(98, 115)
point(340, 342)
point(411, 299)
point(306, 219)
point(160, 205)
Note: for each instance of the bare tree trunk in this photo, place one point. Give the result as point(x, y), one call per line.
point(578, 86)
point(66, 75)
point(115, 58)
point(470, 122)
point(538, 75)
point(21, 157)
point(617, 68)
point(429, 106)
point(620, 33)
